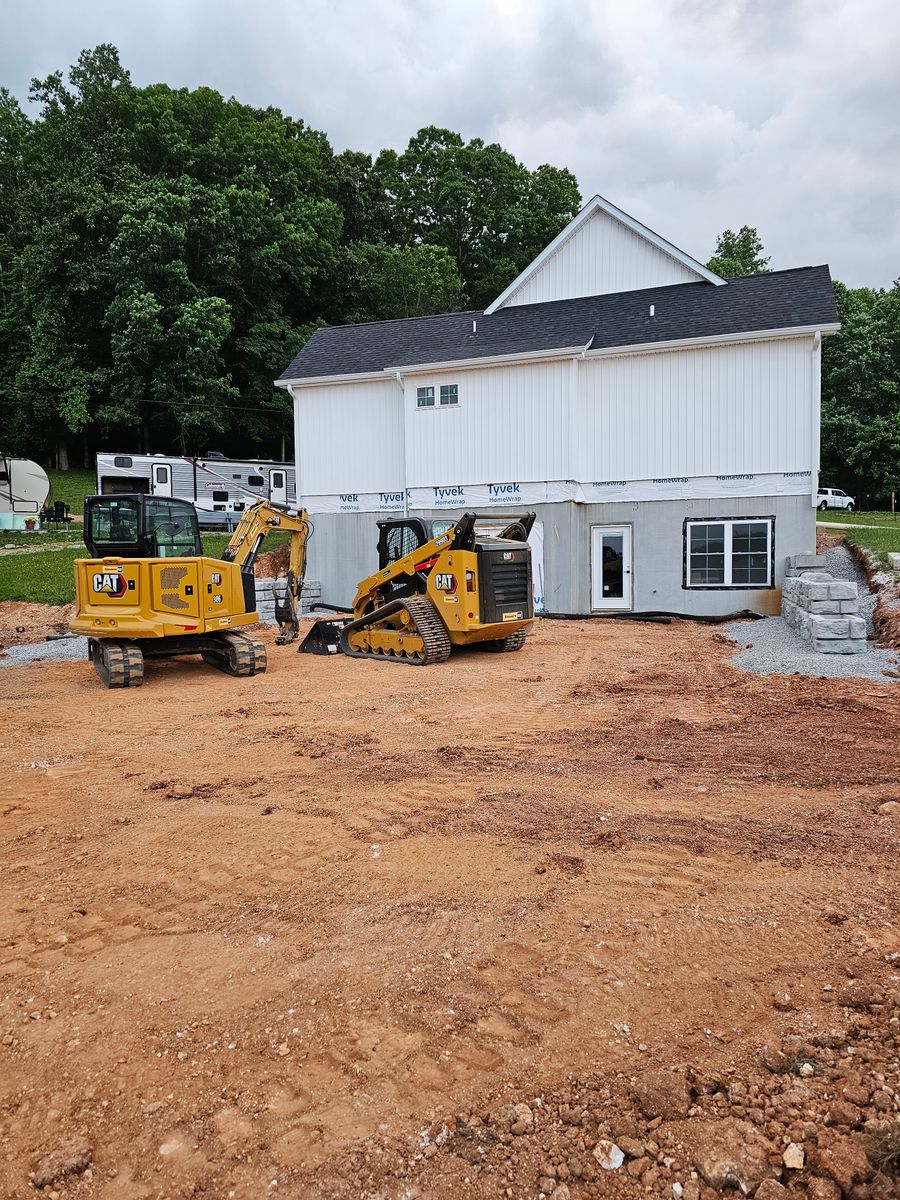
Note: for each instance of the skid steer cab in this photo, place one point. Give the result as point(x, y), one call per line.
point(149, 591)
point(438, 585)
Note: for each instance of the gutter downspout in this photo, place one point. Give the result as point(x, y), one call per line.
point(816, 413)
point(399, 377)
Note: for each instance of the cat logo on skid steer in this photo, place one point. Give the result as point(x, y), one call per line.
point(110, 583)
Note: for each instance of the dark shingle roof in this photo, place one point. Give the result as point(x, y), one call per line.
point(777, 300)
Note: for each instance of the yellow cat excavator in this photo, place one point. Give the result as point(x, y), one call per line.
point(438, 585)
point(148, 591)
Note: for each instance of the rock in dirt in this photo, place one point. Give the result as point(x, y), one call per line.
point(844, 1161)
point(890, 808)
point(733, 1154)
point(560, 1193)
point(794, 1157)
point(774, 1059)
point(822, 1189)
point(517, 1118)
point(662, 1094)
point(857, 994)
point(70, 1159)
point(770, 1189)
point(608, 1155)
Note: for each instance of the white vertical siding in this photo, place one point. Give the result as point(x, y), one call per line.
point(716, 410)
point(745, 408)
point(349, 438)
point(512, 423)
point(603, 255)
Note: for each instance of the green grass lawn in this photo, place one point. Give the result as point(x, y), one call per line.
point(72, 487)
point(880, 540)
point(46, 577)
point(840, 516)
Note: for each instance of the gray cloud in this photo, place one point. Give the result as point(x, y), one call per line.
point(693, 115)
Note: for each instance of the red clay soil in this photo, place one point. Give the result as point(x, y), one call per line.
point(317, 933)
point(21, 624)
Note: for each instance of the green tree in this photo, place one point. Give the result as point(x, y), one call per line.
point(861, 394)
point(487, 210)
point(738, 253)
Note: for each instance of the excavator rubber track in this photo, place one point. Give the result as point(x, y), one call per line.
point(235, 654)
point(119, 664)
point(408, 631)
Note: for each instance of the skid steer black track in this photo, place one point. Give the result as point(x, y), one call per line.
point(235, 654)
point(119, 664)
point(515, 641)
point(425, 621)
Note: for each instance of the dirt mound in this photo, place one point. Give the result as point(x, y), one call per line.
point(273, 563)
point(22, 623)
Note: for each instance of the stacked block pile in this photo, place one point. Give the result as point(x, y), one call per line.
point(822, 610)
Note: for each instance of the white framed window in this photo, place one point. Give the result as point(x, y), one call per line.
point(425, 397)
point(729, 552)
point(449, 393)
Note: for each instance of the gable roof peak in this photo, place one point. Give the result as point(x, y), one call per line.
point(599, 204)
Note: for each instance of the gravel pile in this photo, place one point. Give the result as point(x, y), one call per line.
point(772, 648)
point(842, 565)
point(61, 650)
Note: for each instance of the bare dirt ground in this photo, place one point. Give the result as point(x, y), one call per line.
point(21, 624)
point(361, 930)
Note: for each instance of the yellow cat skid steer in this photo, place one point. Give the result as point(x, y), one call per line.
point(148, 591)
point(437, 588)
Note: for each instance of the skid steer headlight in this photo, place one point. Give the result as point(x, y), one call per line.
point(470, 581)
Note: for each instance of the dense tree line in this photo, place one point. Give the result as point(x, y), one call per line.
point(860, 378)
point(165, 252)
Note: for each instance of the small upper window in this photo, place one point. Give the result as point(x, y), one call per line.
point(122, 460)
point(236, 476)
point(161, 474)
point(449, 393)
point(254, 480)
point(425, 397)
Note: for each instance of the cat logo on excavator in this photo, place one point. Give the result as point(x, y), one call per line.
point(110, 583)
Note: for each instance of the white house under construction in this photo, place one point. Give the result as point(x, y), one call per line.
point(662, 422)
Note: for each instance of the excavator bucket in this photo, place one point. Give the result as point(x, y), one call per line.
point(286, 610)
point(324, 637)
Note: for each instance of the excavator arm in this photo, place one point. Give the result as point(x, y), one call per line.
point(244, 545)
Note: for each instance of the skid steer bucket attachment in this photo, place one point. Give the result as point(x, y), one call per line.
point(324, 637)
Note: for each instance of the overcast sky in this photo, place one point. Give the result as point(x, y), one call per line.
point(692, 115)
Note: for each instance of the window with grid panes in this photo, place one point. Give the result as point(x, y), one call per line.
point(729, 553)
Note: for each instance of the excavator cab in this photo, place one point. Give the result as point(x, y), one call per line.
point(139, 526)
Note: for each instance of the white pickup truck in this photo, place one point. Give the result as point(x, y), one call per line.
point(834, 498)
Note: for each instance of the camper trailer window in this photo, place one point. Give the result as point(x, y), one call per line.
point(255, 480)
point(221, 496)
point(122, 460)
point(115, 522)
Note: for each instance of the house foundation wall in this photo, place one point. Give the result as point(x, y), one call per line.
point(342, 551)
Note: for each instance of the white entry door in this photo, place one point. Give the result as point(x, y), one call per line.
point(278, 487)
point(610, 566)
point(162, 479)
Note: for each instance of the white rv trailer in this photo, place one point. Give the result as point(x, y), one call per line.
point(24, 488)
point(218, 487)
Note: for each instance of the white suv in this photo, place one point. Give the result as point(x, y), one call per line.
point(834, 498)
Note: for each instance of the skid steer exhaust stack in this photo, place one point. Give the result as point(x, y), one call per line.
point(324, 636)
